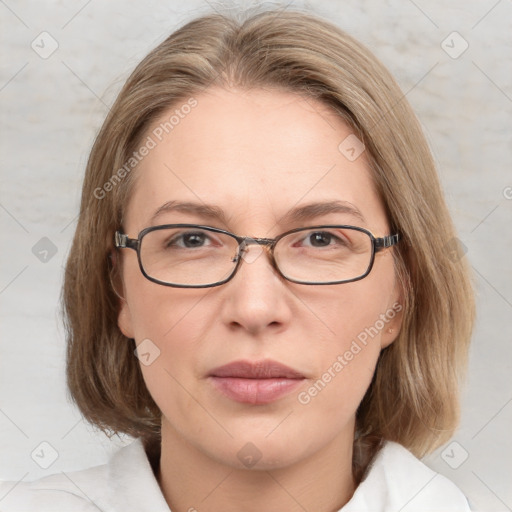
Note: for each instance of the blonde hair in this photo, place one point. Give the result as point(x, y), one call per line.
point(413, 397)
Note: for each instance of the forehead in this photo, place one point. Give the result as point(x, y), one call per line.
point(255, 154)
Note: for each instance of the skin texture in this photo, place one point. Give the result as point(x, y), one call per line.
point(256, 155)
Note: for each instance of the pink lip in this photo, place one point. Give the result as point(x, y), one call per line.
point(258, 382)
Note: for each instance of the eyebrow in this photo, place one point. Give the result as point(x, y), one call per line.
point(297, 214)
point(198, 209)
point(313, 210)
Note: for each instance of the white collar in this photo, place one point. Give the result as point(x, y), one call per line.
point(398, 481)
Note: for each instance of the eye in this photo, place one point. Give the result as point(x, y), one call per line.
point(322, 239)
point(190, 240)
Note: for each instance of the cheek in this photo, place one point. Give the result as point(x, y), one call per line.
point(356, 316)
point(328, 403)
point(342, 381)
point(169, 326)
point(157, 311)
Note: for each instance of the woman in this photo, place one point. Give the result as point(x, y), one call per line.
point(260, 289)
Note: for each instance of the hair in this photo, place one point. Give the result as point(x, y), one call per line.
point(413, 397)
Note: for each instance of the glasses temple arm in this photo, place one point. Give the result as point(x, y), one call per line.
point(386, 241)
point(122, 241)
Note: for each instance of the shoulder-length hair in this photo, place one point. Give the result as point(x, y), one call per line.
point(413, 397)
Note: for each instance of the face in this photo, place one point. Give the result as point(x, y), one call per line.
point(256, 156)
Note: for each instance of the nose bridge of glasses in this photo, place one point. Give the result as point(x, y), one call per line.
point(261, 243)
point(268, 242)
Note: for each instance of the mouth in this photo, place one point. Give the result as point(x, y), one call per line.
point(255, 382)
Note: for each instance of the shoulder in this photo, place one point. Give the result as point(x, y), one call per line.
point(73, 491)
point(125, 483)
point(397, 480)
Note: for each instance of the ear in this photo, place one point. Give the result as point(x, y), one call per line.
point(392, 328)
point(393, 318)
point(124, 319)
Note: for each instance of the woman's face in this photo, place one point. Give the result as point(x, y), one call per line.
point(256, 157)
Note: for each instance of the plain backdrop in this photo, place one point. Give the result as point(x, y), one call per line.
point(61, 67)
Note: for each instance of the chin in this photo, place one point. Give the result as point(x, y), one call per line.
point(264, 444)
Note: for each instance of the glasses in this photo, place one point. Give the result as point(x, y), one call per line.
point(195, 256)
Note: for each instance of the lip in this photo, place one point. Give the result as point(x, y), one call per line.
point(255, 382)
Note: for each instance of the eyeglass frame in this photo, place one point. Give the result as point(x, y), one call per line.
point(123, 241)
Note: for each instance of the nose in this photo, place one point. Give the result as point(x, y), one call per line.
point(257, 298)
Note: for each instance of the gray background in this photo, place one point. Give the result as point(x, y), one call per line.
point(52, 107)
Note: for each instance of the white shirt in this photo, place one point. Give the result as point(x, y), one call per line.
point(396, 481)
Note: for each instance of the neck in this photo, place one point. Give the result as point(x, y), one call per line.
point(193, 481)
